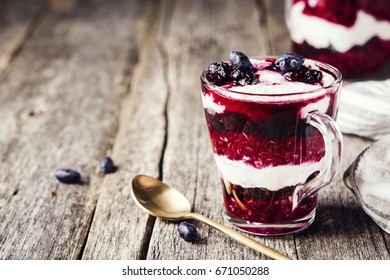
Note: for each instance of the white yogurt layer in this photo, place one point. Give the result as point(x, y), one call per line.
point(272, 178)
point(321, 33)
point(212, 107)
point(321, 105)
point(274, 83)
point(274, 87)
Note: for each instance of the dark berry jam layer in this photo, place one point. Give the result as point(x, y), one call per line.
point(280, 139)
point(258, 205)
point(266, 134)
point(356, 61)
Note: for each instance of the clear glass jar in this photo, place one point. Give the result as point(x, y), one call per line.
point(352, 35)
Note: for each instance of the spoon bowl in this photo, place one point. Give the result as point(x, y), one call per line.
point(162, 201)
point(159, 199)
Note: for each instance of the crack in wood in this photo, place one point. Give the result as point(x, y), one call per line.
point(137, 58)
point(84, 244)
point(152, 220)
point(155, 12)
point(164, 56)
point(145, 242)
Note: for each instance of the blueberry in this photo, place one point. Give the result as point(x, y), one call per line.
point(240, 61)
point(289, 62)
point(305, 75)
point(68, 176)
point(242, 78)
point(188, 232)
point(218, 73)
point(107, 165)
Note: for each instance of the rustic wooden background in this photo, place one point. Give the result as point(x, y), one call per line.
point(84, 79)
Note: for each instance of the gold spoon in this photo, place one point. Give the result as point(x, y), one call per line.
point(165, 202)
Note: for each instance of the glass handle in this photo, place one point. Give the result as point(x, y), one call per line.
point(333, 149)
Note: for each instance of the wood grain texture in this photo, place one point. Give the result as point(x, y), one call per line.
point(59, 108)
point(82, 79)
point(17, 22)
point(120, 229)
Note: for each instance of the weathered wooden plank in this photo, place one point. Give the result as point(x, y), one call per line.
point(60, 102)
point(59, 108)
point(120, 230)
point(201, 32)
point(18, 20)
point(274, 22)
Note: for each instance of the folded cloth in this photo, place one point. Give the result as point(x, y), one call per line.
point(365, 109)
point(369, 179)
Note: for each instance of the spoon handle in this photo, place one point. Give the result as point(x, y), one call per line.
point(239, 237)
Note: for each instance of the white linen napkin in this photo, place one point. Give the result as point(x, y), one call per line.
point(365, 109)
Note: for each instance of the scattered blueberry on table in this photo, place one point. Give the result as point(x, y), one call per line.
point(188, 232)
point(107, 165)
point(68, 176)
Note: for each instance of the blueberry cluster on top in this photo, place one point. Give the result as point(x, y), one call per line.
point(291, 65)
point(240, 71)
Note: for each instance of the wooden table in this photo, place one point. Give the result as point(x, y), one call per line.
point(84, 79)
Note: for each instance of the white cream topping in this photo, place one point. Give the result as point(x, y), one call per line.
point(272, 178)
point(212, 107)
point(321, 104)
point(273, 83)
point(264, 88)
point(321, 33)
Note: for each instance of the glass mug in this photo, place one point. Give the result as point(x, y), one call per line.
point(352, 35)
point(273, 152)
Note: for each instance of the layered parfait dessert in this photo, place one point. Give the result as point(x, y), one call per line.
point(352, 35)
point(264, 149)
